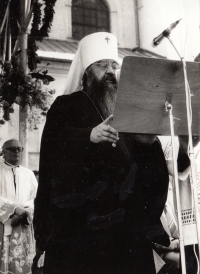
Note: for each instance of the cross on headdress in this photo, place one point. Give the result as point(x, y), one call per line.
point(92, 48)
point(107, 39)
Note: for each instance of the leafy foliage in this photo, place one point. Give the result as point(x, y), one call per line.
point(25, 90)
point(41, 26)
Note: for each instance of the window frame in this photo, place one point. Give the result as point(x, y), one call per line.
point(85, 27)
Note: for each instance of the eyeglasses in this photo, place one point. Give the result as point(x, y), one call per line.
point(105, 64)
point(15, 149)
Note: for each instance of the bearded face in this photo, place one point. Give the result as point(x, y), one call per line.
point(101, 85)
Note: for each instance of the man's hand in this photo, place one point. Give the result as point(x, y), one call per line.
point(183, 158)
point(104, 132)
point(20, 211)
point(22, 214)
point(174, 246)
point(184, 139)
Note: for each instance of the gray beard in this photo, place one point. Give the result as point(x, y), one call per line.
point(103, 95)
point(108, 100)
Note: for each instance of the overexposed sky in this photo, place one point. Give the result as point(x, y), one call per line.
point(157, 15)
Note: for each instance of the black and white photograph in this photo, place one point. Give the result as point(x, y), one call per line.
point(99, 136)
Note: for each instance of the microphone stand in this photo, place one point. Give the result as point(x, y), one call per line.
point(178, 204)
point(192, 159)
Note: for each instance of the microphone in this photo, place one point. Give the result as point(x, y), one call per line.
point(165, 33)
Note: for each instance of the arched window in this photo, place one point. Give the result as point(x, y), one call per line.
point(89, 16)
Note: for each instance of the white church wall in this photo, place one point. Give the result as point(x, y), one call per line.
point(122, 21)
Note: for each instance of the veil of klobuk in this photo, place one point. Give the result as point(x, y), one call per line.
point(92, 48)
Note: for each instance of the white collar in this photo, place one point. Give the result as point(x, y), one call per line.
point(12, 166)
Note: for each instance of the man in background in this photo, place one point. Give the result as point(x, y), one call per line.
point(101, 194)
point(171, 255)
point(18, 187)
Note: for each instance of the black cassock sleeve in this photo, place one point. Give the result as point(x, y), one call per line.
point(64, 143)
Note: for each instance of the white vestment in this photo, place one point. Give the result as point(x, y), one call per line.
point(18, 187)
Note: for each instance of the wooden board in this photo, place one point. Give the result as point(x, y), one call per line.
point(143, 88)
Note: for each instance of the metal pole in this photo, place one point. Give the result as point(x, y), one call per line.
point(9, 39)
point(23, 124)
point(6, 36)
point(191, 149)
point(178, 203)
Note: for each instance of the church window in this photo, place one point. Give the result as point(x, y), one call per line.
point(89, 16)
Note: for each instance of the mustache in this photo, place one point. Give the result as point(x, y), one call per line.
point(110, 77)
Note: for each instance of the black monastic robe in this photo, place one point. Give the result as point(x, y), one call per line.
point(97, 205)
